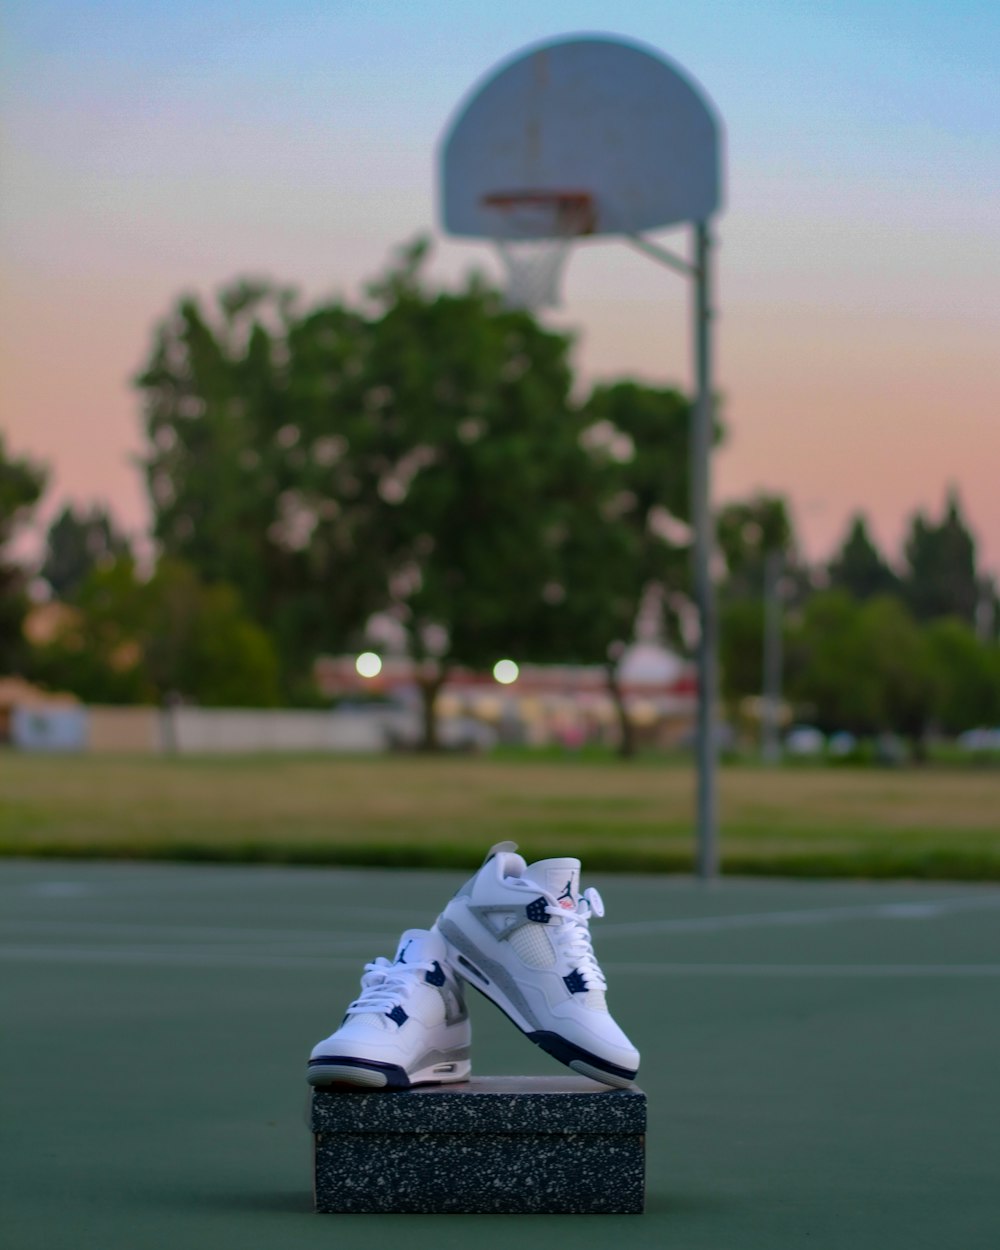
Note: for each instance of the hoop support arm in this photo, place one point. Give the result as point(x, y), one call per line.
point(663, 255)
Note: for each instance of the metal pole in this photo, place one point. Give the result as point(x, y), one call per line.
point(704, 543)
point(771, 702)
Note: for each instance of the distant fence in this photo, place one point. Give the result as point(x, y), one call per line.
point(190, 730)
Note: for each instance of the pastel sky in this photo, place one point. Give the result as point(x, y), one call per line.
point(155, 147)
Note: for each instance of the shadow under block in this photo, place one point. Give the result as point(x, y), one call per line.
point(504, 1145)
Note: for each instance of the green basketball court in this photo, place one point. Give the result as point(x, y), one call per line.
point(821, 1060)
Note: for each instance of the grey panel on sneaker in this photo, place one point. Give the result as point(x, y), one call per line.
point(495, 971)
point(454, 1001)
point(509, 920)
point(442, 1056)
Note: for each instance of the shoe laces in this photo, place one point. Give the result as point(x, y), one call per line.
point(573, 935)
point(384, 985)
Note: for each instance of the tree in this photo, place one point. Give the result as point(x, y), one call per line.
point(473, 446)
point(763, 576)
point(96, 652)
point(741, 648)
point(418, 455)
point(940, 578)
point(75, 544)
point(405, 456)
point(199, 644)
point(748, 531)
point(862, 667)
point(895, 670)
point(259, 420)
point(133, 641)
point(620, 534)
point(967, 673)
point(824, 653)
point(859, 567)
point(21, 486)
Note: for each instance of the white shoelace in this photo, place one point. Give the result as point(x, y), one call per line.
point(384, 985)
point(573, 936)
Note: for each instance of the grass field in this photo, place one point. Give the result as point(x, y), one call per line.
point(443, 811)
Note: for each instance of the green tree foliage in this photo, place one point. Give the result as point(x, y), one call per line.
point(895, 669)
point(752, 533)
point(741, 649)
point(748, 531)
point(75, 544)
point(96, 652)
point(822, 652)
point(129, 640)
point(859, 568)
point(420, 456)
point(260, 464)
point(408, 457)
point(941, 578)
point(476, 458)
point(864, 667)
point(619, 533)
point(21, 486)
point(967, 672)
point(199, 643)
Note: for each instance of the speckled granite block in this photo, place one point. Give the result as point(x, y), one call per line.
point(501, 1144)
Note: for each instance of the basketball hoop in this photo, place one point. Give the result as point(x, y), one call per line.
point(535, 230)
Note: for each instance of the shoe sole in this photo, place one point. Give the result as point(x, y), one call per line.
point(371, 1074)
point(560, 1048)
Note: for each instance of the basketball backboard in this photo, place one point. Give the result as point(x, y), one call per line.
point(586, 117)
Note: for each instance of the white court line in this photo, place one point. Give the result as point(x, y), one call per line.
point(916, 909)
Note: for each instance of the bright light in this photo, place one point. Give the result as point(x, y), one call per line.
point(368, 664)
point(505, 672)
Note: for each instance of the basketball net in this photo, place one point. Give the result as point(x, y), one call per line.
point(539, 228)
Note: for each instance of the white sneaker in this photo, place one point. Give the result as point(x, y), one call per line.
point(409, 1026)
point(521, 935)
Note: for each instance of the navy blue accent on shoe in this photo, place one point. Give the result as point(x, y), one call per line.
point(401, 957)
point(575, 982)
point(395, 1076)
point(473, 969)
point(536, 911)
point(559, 1048)
point(564, 1051)
point(568, 892)
point(398, 1015)
point(435, 976)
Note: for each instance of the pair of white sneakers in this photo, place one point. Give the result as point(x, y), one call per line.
point(519, 933)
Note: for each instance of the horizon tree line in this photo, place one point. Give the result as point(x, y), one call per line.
point(421, 455)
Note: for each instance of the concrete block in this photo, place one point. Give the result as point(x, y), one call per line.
point(500, 1144)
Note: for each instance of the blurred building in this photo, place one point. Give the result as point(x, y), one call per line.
point(20, 699)
point(569, 704)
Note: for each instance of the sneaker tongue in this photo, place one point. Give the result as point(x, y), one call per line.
point(560, 877)
point(418, 946)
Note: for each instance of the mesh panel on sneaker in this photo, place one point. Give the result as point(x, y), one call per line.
point(432, 1012)
point(371, 1019)
point(532, 945)
point(595, 1000)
